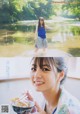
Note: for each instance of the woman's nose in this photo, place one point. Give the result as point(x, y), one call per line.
point(37, 73)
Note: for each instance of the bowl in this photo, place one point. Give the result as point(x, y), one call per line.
point(21, 110)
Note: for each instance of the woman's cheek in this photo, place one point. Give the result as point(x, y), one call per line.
point(32, 78)
point(50, 79)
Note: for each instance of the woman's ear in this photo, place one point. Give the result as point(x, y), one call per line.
point(60, 76)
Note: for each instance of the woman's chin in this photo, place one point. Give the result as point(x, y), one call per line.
point(39, 89)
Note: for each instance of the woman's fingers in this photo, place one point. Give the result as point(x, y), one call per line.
point(28, 95)
point(38, 107)
point(34, 109)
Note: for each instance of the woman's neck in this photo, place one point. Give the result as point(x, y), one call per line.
point(41, 25)
point(52, 97)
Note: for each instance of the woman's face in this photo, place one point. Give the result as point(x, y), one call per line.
point(41, 21)
point(43, 78)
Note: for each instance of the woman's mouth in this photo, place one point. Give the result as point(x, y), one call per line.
point(38, 83)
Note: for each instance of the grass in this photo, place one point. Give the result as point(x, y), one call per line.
point(70, 46)
point(13, 49)
point(17, 49)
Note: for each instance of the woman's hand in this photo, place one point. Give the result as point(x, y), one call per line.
point(36, 108)
point(48, 28)
point(39, 109)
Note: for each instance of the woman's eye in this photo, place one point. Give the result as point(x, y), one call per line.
point(33, 69)
point(45, 69)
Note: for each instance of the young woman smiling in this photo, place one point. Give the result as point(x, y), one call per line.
point(47, 75)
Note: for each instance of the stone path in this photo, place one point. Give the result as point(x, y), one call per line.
point(49, 53)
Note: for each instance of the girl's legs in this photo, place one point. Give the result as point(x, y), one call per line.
point(36, 50)
point(44, 50)
point(36, 46)
point(44, 45)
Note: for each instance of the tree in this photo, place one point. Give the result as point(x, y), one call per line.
point(73, 8)
point(15, 10)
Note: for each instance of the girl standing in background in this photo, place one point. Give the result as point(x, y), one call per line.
point(40, 35)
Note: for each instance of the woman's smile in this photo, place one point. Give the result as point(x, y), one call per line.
point(38, 82)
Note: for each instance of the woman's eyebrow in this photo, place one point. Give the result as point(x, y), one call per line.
point(46, 65)
point(34, 65)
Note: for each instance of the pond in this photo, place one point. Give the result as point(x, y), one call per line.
point(64, 35)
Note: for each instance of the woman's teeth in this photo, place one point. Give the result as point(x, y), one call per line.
point(38, 83)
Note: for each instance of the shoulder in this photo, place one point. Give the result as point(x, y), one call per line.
point(65, 109)
point(68, 104)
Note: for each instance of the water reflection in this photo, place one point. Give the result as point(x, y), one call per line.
point(16, 33)
point(63, 32)
point(66, 32)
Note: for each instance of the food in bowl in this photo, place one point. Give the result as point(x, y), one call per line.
point(21, 103)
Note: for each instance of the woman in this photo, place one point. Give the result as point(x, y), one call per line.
point(40, 35)
point(47, 75)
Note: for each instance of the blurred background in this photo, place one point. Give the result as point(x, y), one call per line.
point(19, 67)
point(18, 19)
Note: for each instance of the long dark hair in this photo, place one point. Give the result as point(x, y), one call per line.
point(39, 25)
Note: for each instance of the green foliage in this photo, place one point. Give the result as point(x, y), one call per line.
point(72, 8)
point(8, 13)
point(14, 10)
